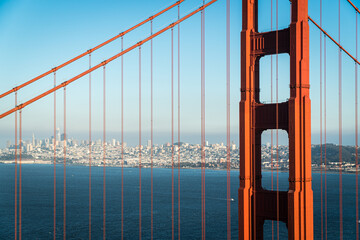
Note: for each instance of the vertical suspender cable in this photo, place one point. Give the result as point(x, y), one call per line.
point(104, 151)
point(203, 122)
point(178, 123)
point(64, 177)
point(356, 132)
point(152, 133)
point(271, 131)
point(20, 181)
point(140, 142)
point(122, 140)
point(172, 133)
point(277, 120)
point(54, 196)
point(321, 136)
point(228, 167)
point(90, 148)
point(325, 165)
point(16, 175)
point(340, 135)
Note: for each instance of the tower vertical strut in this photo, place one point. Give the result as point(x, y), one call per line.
point(295, 206)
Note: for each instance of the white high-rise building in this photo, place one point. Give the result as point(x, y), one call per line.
point(58, 135)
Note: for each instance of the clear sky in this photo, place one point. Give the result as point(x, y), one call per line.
point(37, 35)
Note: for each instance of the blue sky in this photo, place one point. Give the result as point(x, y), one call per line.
point(37, 35)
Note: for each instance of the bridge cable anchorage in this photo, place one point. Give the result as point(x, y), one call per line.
point(179, 124)
point(203, 122)
point(91, 50)
point(90, 147)
point(20, 181)
point(228, 154)
point(104, 152)
point(321, 133)
point(356, 131)
point(54, 173)
point(64, 176)
point(122, 140)
point(140, 147)
point(152, 129)
point(172, 134)
point(16, 171)
point(340, 132)
point(277, 121)
point(100, 64)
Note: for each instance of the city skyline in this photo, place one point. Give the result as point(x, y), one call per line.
point(44, 47)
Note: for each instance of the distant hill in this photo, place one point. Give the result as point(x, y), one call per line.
point(332, 153)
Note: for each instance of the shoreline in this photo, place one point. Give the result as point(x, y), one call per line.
point(49, 162)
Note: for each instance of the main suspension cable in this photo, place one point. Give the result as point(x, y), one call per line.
point(62, 85)
point(91, 50)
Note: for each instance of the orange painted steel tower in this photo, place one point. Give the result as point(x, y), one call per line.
point(256, 204)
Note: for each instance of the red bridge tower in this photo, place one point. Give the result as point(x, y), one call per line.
point(256, 204)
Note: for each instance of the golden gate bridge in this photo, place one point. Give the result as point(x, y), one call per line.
point(256, 204)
